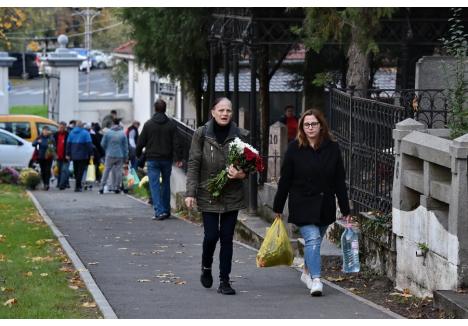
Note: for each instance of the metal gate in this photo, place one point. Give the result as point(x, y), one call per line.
point(363, 128)
point(53, 96)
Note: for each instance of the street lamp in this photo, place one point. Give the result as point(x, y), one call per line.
point(88, 15)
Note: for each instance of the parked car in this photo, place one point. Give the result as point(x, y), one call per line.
point(14, 151)
point(101, 60)
point(32, 62)
point(28, 127)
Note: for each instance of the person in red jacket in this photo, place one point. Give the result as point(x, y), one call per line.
point(61, 142)
point(290, 120)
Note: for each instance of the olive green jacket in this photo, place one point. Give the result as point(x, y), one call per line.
point(207, 164)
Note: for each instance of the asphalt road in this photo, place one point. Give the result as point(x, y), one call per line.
point(31, 91)
point(149, 269)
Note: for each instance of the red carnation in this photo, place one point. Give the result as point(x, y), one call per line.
point(249, 155)
point(259, 164)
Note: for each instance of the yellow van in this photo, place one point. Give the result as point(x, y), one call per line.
point(28, 127)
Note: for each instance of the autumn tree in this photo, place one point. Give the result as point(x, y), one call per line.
point(174, 41)
point(355, 28)
point(10, 20)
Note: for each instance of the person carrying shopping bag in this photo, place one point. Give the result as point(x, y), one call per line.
point(208, 156)
point(115, 146)
point(312, 174)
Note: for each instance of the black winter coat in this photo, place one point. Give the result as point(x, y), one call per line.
point(312, 178)
point(160, 138)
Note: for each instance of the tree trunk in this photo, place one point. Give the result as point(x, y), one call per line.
point(358, 66)
point(264, 90)
point(313, 95)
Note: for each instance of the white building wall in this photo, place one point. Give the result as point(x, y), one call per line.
point(142, 94)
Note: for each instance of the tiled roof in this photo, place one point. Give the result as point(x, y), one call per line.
point(126, 48)
point(280, 82)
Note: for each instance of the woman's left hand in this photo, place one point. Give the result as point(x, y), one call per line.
point(234, 173)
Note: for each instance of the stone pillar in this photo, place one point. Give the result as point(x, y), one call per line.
point(278, 143)
point(64, 63)
point(458, 217)
point(5, 63)
point(402, 198)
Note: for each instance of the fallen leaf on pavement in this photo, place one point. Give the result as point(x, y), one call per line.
point(93, 263)
point(10, 302)
point(180, 282)
point(89, 305)
point(122, 248)
point(179, 252)
point(335, 279)
point(404, 295)
point(144, 280)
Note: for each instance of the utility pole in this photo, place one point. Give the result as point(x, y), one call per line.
point(88, 15)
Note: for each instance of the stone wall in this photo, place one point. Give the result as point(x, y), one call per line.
point(430, 201)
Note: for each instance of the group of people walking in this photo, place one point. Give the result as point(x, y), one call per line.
point(74, 146)
point(312, 176)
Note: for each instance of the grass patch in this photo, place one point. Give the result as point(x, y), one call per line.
point(40, 110)
point(36, 277)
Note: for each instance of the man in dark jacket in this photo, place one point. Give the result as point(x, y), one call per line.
point(79, 149)
point(62, 163)
point(160, 140)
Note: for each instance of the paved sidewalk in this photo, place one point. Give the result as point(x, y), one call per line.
point(150, 269)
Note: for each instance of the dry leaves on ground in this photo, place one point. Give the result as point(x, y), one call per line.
point(41, 259)
point(10, 302)
point(143, 281)
point(2, 238)
point(89, 305)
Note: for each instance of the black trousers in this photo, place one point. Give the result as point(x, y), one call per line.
point(78, 167)
point(45, 166)
point(219, 226)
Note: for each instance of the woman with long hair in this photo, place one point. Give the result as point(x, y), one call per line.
point(312, 174)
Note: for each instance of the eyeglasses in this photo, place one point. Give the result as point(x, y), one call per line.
point(312, 124)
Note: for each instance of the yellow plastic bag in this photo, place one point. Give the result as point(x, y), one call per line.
point(101, 168)
point(276, 249)
point(91, 172)
point(56, 170)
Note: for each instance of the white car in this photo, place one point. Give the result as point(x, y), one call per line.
point(14, 151)
point(101, 60)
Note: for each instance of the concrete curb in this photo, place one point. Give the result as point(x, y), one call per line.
point(98, 296)
point(328, 283)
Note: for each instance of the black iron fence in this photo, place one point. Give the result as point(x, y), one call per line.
point(363, 128)
point(185, 139)
point(428, 106)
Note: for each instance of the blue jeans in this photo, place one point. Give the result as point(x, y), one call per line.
point(63, 175)
point(161, 193)
point(313, 236)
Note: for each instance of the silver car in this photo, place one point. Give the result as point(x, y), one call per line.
point(14, 151)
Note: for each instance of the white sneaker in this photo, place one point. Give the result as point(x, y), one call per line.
point(316, 288)
point(305, 278)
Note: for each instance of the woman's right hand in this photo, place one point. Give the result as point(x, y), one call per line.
point(277, 215)
point(190, 202)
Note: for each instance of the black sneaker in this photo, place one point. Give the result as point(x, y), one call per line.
point(206, 278)
point(225, 288)
point(117, 191)
point(101, 191)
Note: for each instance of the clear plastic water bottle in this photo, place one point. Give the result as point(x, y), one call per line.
point(350, 247)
